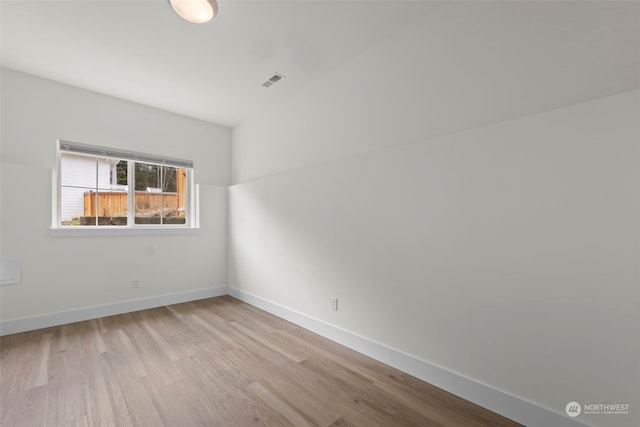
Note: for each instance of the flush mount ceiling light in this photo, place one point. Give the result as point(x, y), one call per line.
point(195, 11)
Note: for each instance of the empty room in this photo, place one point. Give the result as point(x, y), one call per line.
point(320, 213)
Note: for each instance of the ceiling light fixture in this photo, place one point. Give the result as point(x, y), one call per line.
point(195, 11)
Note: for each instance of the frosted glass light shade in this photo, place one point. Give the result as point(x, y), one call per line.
point(196, 11)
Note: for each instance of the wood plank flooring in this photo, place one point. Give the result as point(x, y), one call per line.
point(214, 362)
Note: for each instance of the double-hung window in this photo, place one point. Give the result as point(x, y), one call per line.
point(102, 187)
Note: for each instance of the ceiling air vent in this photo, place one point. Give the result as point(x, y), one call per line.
point(273, 80)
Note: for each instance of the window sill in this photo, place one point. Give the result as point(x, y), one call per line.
point(121, 231)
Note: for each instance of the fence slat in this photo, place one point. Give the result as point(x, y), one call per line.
point(112, 203)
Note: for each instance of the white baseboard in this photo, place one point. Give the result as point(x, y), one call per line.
point(498, 401)
point(31, 323)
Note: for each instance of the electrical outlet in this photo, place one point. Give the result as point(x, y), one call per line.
point(334, 304)
point(135, 283)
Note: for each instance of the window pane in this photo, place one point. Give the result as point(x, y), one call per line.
point(77, 206)
point(79, 181)
point(160, 194)
point(147, 177)
point(95, 191)
point(121, 172)
point(148, 207)
point(112, 193)
point(112, 207)
point(172, 200)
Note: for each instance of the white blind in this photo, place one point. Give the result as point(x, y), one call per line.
point(76, 147)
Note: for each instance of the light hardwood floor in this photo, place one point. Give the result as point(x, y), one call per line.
point(214, 362)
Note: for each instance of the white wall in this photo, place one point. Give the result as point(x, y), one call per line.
point(470, 194)
point(508, 254)
point(69, 273)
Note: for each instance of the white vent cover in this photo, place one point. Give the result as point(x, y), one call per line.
point(9, 271)
point(273, 80)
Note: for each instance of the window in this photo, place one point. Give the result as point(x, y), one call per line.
point(102, 187)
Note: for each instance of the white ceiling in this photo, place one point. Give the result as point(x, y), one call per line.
point(143, 52)
point(140, 50)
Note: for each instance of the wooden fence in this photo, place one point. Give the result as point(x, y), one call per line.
point(115, 203)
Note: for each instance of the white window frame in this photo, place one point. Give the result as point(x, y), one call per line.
point(190, 226)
